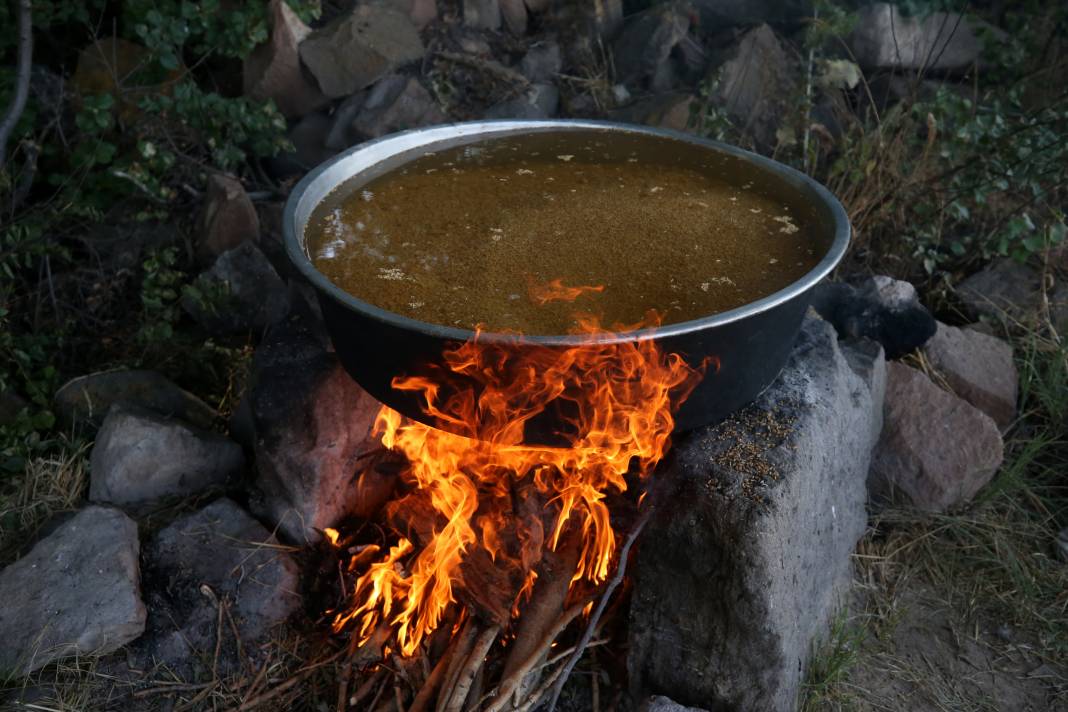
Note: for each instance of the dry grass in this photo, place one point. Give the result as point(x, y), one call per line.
point(47, 485)
point(291, 672)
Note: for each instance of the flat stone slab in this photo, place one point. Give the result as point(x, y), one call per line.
point(748, 557)
point(140, 458)
point(978, 367)
point(76, 593)
point(219, 554)
point(360, 47)
point(936, 450)
point(85, 400)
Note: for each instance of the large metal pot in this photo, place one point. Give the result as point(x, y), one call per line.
point(750, 343)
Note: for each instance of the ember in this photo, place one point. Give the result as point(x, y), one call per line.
point(487, 520)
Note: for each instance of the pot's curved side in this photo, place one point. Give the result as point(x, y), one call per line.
point(749, 345)
point(743, 358)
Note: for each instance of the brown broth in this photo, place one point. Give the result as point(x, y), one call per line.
point(472, 235)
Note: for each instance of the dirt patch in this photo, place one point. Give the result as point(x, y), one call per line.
point(928, 657)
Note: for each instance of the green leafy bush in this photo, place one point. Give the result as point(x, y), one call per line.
point(128, 152)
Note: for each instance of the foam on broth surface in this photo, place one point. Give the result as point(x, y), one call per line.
point(494, 232)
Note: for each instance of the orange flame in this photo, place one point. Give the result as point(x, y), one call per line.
point(556, 291)
point(617, 399)
point(332, 535)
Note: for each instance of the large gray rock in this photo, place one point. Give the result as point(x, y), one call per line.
point(538, 101)
point(273, 70)
point(227, 218)
point(884, 38)
point(659, 703)
point(748, 556)
point(673, 110)
point(340, 136)
point(977, 367)
point(359, 48)
point(308, 136)
point(239, 292)
point(140, 457)
point(641, 51)
point(84, 401)
point(394, 104)
point(1011, 292)
point(219, 554)
point(542, 62)
point(755, 83)
point(76, 593)
point(936, 450)
point(312, 423)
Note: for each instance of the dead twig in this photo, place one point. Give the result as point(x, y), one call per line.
point(172, 688)
point(198, 698)
point(277, 690)
point(22, 78)
point(471, 667)
point(587, 635)
point(508, 685)
point(433, 681)
point(466, 639)
point(364, 689)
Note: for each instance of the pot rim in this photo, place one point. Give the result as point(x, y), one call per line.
point(329, 175)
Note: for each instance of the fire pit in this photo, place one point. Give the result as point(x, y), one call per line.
point(743, 348)
point(516, 467)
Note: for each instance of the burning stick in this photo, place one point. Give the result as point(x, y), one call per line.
point(621, 569)
point(470, 669)
point(457, 657)
point(546, 604)
point(509, 685)
point(439, 673)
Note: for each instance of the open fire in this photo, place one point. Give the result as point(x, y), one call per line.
point(484, 521)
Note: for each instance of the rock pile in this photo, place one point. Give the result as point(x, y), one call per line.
point(941, 440)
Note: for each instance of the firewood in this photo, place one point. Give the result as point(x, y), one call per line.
point(547, 602)
point(457, 656)
point(475, 659)
point(477, 689)
point(621, 568)
point(414, 517)
point(368, 686)
point(480, 584)
point(438, 674)
point(508, 685)
point(375, 484)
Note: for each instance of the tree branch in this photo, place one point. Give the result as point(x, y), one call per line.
point(22, 79)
